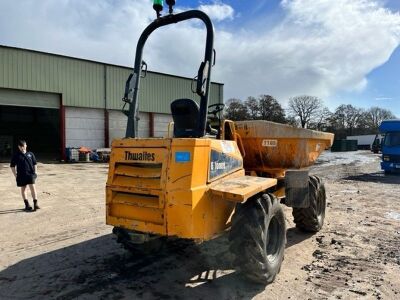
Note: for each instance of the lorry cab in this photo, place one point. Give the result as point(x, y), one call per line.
point(390, 146)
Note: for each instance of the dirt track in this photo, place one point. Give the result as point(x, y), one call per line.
point(66, 251)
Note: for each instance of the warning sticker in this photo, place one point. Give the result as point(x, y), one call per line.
point(269, 143)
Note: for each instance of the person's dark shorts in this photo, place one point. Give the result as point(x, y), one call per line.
point(25, 180)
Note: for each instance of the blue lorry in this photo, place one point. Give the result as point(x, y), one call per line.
point(391, 145)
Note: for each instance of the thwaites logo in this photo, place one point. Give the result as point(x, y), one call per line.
point(141, 156)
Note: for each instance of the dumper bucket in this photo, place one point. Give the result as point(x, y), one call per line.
point(272, 147)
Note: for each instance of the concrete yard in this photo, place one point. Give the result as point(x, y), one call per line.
point(66, 251)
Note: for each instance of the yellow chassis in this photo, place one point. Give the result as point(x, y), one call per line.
point(177, 187)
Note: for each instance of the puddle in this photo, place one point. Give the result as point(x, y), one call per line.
point(393, 215)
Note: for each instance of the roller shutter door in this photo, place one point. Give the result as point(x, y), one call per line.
point(84, 127)
point(161, 122)
point(117, 124)
point(31, 116)
point(23, 98)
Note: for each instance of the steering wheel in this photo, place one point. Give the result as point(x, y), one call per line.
point(218, 107)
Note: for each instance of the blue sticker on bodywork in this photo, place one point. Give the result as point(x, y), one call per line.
point(182, 157)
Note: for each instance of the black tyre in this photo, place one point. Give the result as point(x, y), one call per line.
point(311, 219)
point(258, 237)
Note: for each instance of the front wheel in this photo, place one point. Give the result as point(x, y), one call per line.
point(311, 219)
point(258, 237)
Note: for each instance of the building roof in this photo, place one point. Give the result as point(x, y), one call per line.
point(94, 61)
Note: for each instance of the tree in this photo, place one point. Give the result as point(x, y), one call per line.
point(362, 124)
point(292, 121)
point(346, 118)
point(353, 117)
point(375, 115)
point(321, 120)
point(253, 108)
point(270, 109)
point(236, 110)
point(305, 108)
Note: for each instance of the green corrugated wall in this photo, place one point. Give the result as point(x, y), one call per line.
point(83, 83)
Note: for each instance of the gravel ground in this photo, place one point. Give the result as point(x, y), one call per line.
point(66, 251)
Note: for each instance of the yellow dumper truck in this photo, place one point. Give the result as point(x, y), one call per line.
point(203, 181)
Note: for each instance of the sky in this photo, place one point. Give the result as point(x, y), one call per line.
point(343, 51)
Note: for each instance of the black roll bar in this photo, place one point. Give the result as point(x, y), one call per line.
point(133, 115)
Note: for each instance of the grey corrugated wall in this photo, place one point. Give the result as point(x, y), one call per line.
point(83, 83)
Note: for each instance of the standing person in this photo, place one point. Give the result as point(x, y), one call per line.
point(23, 166)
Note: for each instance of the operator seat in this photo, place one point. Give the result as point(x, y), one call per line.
point(185, 113)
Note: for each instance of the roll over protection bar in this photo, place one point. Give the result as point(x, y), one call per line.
point(204, 75)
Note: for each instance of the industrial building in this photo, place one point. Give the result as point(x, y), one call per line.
point(56, 101)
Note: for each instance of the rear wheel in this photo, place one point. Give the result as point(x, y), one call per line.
point(311, 219)
point(258, 238)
